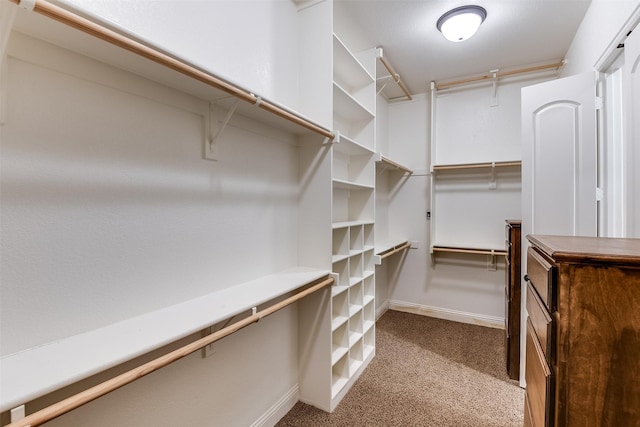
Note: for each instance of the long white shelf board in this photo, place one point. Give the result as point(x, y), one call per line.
point(35, 372)
point(384, 246)
point(55, 33)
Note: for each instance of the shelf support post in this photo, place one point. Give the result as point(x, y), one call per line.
point(492, 179)
point(494, 88)
point(492, 264)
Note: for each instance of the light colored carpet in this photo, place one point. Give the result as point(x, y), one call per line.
point(426, 372)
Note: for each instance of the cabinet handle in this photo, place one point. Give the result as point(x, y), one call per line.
point(526, 277)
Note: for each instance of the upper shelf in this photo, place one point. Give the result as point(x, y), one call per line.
point(345, 105)
point(347, 70)
point(117, 46)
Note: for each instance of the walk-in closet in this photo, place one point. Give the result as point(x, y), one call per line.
point(319, 212)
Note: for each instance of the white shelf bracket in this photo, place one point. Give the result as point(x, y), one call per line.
point(386, 80)
point(27, 4)
point(211, 146)
point(492, 263)
point(493, 102)
point(492, 179)
point(18, 413)
point(336, 139)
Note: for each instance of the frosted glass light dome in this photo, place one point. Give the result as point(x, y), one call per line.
point(461, 23)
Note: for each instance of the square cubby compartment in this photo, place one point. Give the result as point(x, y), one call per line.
point(356, 356)
point(368, 316)
point(355, 268)
point(369, 265)
point(369, 242)
point(340, 243)
point(356, 242)
point(355, 296)
point(369, 342)
point(341, 268)
point(340, 343)
point(339, 309)
point(369, 289)
point(339, 374)
point(356, 327)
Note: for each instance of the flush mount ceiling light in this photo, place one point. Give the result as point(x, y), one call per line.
point(461, 23)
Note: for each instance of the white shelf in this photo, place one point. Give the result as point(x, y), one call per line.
point(336, 290)
point(354, 280)
point(347, 185)
point(338, 321)
point(338, 384)
point(347, 68)
point(346, 145)
point(354, 337)
point(346, 106)
point(29, 374)
point(388, 245)
point(337, 352)
point(367, 299)
point(59, 34)
point(343, 224)
point(484, 165)
point(338, 258)
point(386, 164)
point(468, 248)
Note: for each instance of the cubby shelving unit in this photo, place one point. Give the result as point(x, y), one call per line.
point(353, 205)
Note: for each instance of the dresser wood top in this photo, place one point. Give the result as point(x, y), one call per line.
point(588, 249)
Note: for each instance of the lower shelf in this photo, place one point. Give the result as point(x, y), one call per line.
point(29, 374)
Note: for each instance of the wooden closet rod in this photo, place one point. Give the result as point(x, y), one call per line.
point(77, 400)
point(71, 19)
point(461, 250)
point(395, 250)
point(476, 165)
point(489, 76)
point(395, 77)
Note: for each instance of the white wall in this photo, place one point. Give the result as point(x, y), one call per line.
point(457, 287)
point(109, 211)
point(605, 25)
point(605, 22)
point(250, 42)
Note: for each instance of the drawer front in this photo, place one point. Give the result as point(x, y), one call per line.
point(540, 385)
point(541, 321)
point(542, 275)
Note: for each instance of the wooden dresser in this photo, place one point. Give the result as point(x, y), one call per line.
point(512, 298)
point(583, 332)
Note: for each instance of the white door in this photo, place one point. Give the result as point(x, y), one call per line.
point(559, 164)
point(631, 113)
point(559, 157)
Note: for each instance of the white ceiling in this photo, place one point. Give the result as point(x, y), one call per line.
point(516, 33)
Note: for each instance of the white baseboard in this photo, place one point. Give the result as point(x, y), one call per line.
point(382, 309)
point(448, 314)
point(279, 409)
